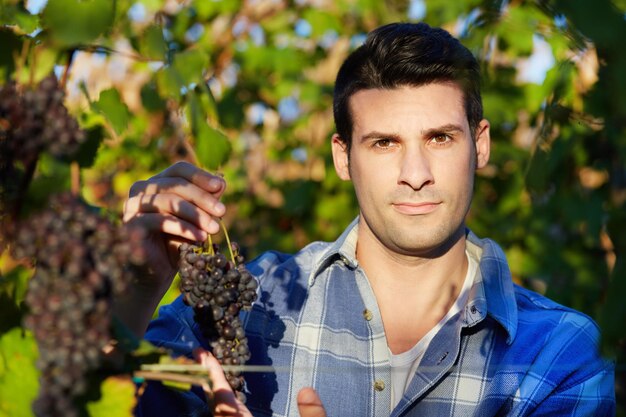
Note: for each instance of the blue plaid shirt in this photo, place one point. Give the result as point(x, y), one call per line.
point(509, 352)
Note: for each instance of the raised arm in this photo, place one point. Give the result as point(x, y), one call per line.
point(177, 205)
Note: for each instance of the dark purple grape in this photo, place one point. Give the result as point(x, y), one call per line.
point(82, 260)
point(211, 277)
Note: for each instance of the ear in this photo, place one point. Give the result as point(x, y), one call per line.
point(340, 157)
point(483, 144)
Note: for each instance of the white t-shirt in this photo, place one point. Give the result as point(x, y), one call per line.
point(404, 365)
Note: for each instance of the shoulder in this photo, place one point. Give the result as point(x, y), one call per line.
point(540, 311)
point(562, 347)
point(272, 265)
point(525, 312)
point(566, 341)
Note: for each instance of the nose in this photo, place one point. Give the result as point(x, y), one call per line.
point(415, 169)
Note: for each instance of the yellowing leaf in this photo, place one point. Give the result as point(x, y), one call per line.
point(18, 375)
point(118, 399)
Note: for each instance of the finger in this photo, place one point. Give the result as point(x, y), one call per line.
point(309, 403)
point(182, 188)
point(225, 400)
point(171, 225)
point(170, 204)
point(201, 178)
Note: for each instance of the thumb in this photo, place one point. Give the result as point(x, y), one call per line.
point(309, 403)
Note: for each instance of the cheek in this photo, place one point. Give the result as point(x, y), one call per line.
point(457, 179)
point(369, 183)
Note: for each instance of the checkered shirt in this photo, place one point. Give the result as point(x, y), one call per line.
point(508, 352)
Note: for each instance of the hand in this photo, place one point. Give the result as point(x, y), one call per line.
point(227, 404)
point(309, 403)
point(179, 204)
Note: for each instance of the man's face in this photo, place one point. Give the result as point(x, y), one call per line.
point(412, 163)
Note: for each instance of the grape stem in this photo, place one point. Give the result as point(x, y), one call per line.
point(230, 249)
point(209, 245)
point(66, 69)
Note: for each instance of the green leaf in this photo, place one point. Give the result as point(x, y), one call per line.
point(18, 375)
point(168, 83)
point(52, 176)
point(11, 45)
point(16, 15)
point(212, 147)
point(46, 60)
point(321, 22)
point(152, 43)
point(110, 104)
point(86, 154)
point(170, 295)
point(13, 288)
point(230, 110)
point(118, 398)
point(150, 98)
point(518, 32)
point(75, 22)
point(201, 108)
point(209, 105)
point(210, 9)
point(300, 197)
point(190, 66)
point(186, 70)
point(195, 115)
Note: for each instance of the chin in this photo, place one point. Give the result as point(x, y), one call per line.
point(428, 244)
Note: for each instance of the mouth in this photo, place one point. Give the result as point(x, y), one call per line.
point(415, 209)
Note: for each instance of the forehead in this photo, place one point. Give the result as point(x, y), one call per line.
point(422, 107)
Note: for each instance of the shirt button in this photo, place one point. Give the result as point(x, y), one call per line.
point(367, 315)
point(379, 385)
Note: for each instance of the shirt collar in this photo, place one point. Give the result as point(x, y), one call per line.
point(343, 248)
point(493, 293)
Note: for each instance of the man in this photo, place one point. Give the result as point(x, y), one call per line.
point(408, 312)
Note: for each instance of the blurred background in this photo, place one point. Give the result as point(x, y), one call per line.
point(244, 88)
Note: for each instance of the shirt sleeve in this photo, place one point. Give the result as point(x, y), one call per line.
point(592, 397)
point(574, 379)
point(173, 329)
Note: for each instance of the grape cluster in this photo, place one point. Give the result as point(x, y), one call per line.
point(33, 120)
point(82, 260)
point(217, 289)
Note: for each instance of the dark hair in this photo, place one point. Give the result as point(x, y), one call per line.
point(406, 54)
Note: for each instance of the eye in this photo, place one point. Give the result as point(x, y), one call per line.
point(440, 139)
point(383, 143)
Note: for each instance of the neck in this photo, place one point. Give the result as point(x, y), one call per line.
point(443, 266)
point(412, 286)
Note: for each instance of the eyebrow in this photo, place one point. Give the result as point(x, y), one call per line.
point(447, 128)
point(379, 135)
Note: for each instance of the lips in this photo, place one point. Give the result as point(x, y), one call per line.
point(414, 209)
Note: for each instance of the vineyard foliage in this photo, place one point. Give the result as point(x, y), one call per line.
point(244, 88)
